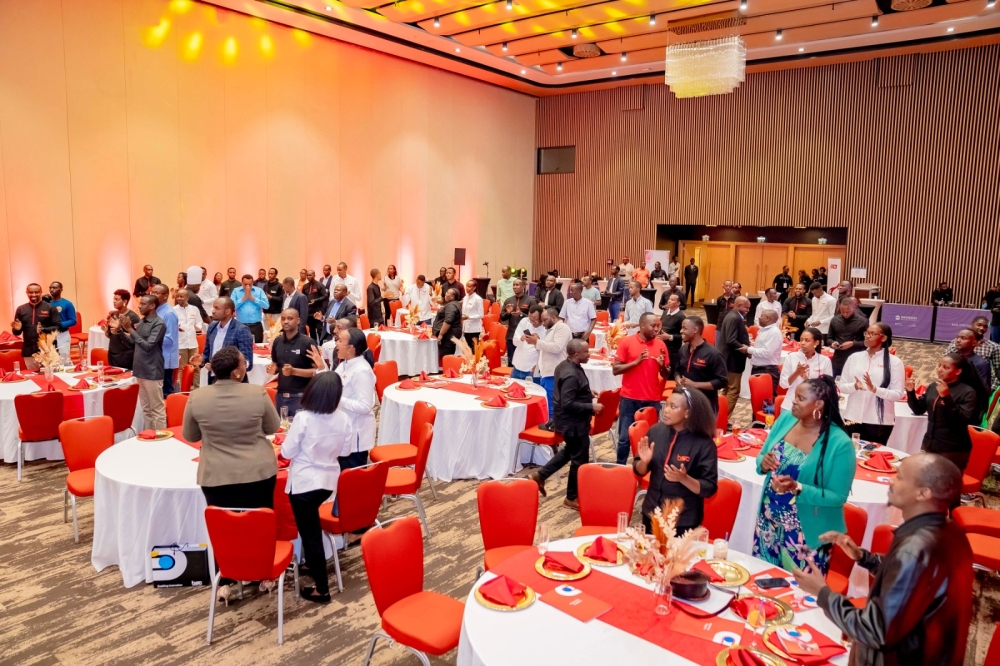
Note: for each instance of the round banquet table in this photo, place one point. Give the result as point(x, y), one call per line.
point(145, 495)
point(600, 376)
point(97, 339)
point(543, 635)
point(411, 355)
point(869, 495)
point(600, 339)
point(93, 405)
point(470, 441)
point(908, 431)
point(257, 375)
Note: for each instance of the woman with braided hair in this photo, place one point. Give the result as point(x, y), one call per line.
point(872, 382)
point(808, 460)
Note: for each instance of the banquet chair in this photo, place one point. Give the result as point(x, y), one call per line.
point(375, 345)
point(601, 423)
point(721, 509)
point(603, 317)
point(535, 436)
point(98, 355)
point(175, 404)
point(200, 339)
point(839, 575)
point(637, 431)
point(606, 489)
point(985, 552)
point(778, 401)
point(508, 511)
point(491, 350)
point(393, 308)
point(245, 546)
point(977, 520)
point(649, 415)
point(592, 341)
point(187, 377)
point(284, 518)
point(386, 374)
point(761, 389)
point(709, 333)
point(9, 358)
point(422, 621)
point(984, 447)
point(405, 454)
point(722, 420)
point(363, 322)
point(752, 331)
point(908, 371)
point(359, 494)
point(120, 404)
point(78, 337)
point(495, 308)
point(488, 322)
point(38, 416)
point(498, 334)
point(404, 482)
point(453, 362)
point(272, 392)
point(82, 441)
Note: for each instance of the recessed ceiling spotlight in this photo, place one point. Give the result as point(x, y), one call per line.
point(801, 49)
point(458, 50)
point(991, 4)
point(652, 19)
point(778, 35)
point(614, 73)
point(573, 34)
point(504, 47)
point(624, 56)
point(437, 22)
point(743, 5)
point(559, 66)
point(950, 30)
point(874, 21)
point(522, 71)
point(510, 5)
point(329, 8)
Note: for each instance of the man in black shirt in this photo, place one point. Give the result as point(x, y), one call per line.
point(120, 345)
point(733, 342)
point(146, 282)
point(373, 299)
point(670, 331)
point(291, 360)
point(275, 293)
point(551, 297)
point(147, 362)
point(226, 288)
point(726, 301)
point(572, 405)
point(943, 294)
point(316, 295)
point(261, 280)
point(847, 333)
point(821, 278)
point(31, 320)
point(658, 273)
point(450, 282)
point(442, 279)
point(672, 289)
point(690, 280)
point(799, 309)
point(700, 365)
point(782, 284)
point(513, 310)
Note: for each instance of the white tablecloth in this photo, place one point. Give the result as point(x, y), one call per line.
point(93, 405)
point(909, 430)
point(145, 495)
point(600, 376)
point(543, 636)
point(868, 495)
point(600, 338)
point(258, 373)
point(97, 339)
point(470, 441)
point(411, 355)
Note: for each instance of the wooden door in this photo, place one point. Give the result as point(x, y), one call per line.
point(747, 271)
point(808, 258)
point(718, 268)
point(773, 257)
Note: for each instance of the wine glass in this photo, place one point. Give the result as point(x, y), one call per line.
point(719, 433)
point(542, 538)
point(17, 367)
point(768, 420)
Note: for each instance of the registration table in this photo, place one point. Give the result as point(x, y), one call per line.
point(76, 404)
point(471, 441)
point(629, 633)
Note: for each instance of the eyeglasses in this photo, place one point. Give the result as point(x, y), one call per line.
point(869, 334)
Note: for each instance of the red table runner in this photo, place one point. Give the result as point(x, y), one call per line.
point(862, 474)
point(538, 407)
point(72, 400)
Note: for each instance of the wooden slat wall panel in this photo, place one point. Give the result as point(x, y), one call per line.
point(911, 170)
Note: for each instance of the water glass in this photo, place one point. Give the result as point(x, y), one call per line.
point(719, 433)
point(284, 414)
point(662, 595)
point(529, 379)
point(48, 373)
point(720, 549)
point(542, 538)
point(17, 367)
point(856, 439)
point(623, 517)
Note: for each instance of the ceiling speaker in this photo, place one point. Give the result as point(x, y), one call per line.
point(589, 50)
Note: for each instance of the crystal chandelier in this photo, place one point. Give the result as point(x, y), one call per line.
point(715, 67)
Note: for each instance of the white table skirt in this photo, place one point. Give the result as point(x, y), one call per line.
point(868, 495)
point(600, 338)
point(601, 377)
point(401, 312)
point(145, 495)
point(745, 381)
point(470, 441)
point(411, 355)
point(97, 339)
point(258, 373)
point(93, 405)
point(908, 431)
point(491, 638)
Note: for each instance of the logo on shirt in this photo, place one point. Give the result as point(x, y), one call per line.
point(699, 361)
point(296, 352)
point(683, 459)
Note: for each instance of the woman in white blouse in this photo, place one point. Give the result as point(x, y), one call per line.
point(472, 314)
point(873, 382)
point(392, 289)
point(807, 363)
point(359, 395)
point(320, 434)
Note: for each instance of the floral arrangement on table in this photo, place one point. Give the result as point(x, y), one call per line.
point(437, 293)
point(412, 315)
point(47, 355)
point(786, 328)
point(273, 331)
point(614, 335)
point(473, 360)
point(660, 556)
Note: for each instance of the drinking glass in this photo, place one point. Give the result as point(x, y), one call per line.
point(529, 379)
point(662, 595)
point(623, 517)
point(719, 433)
point(856, 439)
point(48, 373)
point(284, 414)
point(769, 420)
point(720, 549)
point(542, 538)
point(737, 430)
point(17, 367)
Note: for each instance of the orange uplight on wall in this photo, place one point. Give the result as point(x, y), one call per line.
point(155, 35)
point(267, 46)
point(230, 49)
point(301, 36)
point(192, 47)
point(180, 6)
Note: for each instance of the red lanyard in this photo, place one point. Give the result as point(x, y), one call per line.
point(670, 451)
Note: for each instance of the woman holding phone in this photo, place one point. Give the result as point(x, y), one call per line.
point(809, 463)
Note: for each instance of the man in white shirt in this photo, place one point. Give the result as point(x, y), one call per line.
point(627, 269)
point(551, 351)
point(590, 292)
point(525, 360)
point(419, 294)
point(188, 327)
point(472, 314)
point(824, 306)
point(674, 269)
point(579, 313)
point(208, 292)
point(349, 281)
point(771, 303)
point(765, 353)
point(636, 305)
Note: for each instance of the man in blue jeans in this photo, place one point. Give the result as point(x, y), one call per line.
point(641, 360)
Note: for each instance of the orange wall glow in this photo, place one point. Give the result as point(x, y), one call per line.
point(174, 133)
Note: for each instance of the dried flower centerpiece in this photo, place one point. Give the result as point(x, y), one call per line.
point(473, 361)
point(660, 556)
point(616, 332)
point(273, 331)
point(786, 328)
point(47, 355)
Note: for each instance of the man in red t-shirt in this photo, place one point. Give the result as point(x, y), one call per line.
point(642, 361)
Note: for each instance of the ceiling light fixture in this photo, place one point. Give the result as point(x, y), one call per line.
point(559, 66)
point(624, 56)
point(778, 35)
point(505, 47)
point(801, 49)
point(573, 34)
point(652, 19)
point(522, 71)
point(874, 21)
point(458, 50)
point(437, 22)
point(950, 30)
point(743, 5)
point(329, 8)
point(991, 4)
point(714, 67)
point(614, 73)
point(510, 5)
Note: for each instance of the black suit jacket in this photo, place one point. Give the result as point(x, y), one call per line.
point(733, 334)
point(347, 308)
point(300, 303)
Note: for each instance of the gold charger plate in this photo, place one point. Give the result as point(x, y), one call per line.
point(16, 381)
point(483, 403)
point(89, 388)
point(771, 660)
point(785, 612)
point(561, 575)
point(870, 468)
point(524, 399)
point(415, 388)
point(775, 645)
point(160, 435)
point(599, 563)
point(527, 600)
point(740, 458)
point(734, 574)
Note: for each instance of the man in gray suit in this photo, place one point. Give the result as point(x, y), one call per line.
point(296, 300)
point(147, 364)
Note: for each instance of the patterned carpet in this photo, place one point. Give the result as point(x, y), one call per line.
point(55, 609)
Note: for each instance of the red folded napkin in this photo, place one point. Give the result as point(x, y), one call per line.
point(382, 327)
point(108, 370)
point(516, 391)
point(103, 322)
point(603, 549)
point(279, 439)
point(6, 335)
point(82, 384)
point(502, 590)
point(450, 373)
point(283, 462)
point(407, 384)
point(744, 658)
point(497, 381)
point(12, 377)
point(423, 376)
point(497, 401)
point(828, 648)
point(79, 367)
point(880, 461)
point(742, 607)
point(562, 562)
point(147, 434)
point(706, 568)
point(423, 336)
point(725, 450)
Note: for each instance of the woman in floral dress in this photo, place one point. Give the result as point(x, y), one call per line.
point(809, 462)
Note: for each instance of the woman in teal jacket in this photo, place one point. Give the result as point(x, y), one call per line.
point(809, 461)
